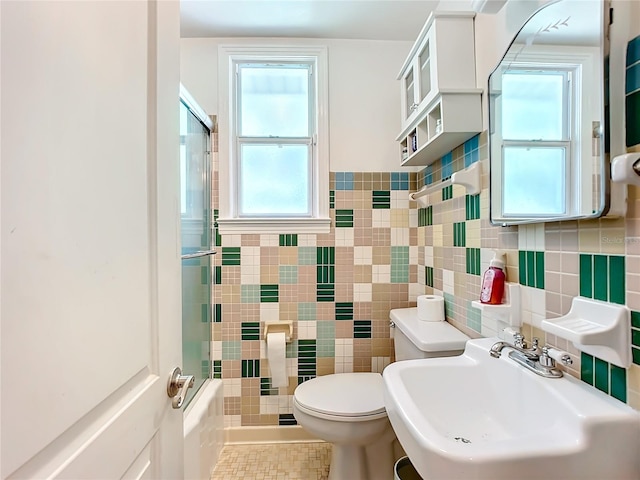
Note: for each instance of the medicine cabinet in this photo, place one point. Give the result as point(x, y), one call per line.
point(547, 126)
point(441, 106)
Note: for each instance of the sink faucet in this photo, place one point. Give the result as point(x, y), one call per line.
point(520, 345)
point(539, 361)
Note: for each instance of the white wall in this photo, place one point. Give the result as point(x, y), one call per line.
point(364, 95)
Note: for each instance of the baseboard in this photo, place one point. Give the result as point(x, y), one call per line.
point(267, 434)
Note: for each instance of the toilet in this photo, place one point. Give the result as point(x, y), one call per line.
point(347, 409)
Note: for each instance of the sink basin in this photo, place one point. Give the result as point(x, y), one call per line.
point(476, 417)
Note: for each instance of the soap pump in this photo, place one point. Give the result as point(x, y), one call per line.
point(493, 281)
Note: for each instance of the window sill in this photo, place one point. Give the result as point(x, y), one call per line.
point(273, 225)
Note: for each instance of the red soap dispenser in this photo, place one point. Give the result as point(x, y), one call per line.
point(493, 281)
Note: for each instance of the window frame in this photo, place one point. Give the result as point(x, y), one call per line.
point(229, 219)
point(570, 78)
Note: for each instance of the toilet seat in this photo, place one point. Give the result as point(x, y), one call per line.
point(343, 396)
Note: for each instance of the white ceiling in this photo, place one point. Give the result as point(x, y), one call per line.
point(347, 19)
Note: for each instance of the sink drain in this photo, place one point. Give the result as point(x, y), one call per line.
point(462, 439)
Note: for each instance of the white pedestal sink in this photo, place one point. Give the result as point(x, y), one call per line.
point(478, 417)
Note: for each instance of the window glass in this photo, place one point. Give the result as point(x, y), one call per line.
point(534, 181)
point(274, 179)
point(533, 105)
point(274, 100)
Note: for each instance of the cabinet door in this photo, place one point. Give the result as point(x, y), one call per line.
point(425, 71)
point(409, 93)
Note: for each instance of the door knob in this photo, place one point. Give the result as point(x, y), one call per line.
point(177, 387)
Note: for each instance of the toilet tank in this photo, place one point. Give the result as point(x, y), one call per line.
point(414, 338)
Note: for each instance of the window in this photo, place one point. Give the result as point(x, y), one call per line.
point(273, 145)
point(537, 126)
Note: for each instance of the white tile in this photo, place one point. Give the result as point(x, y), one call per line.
point(307, 330)
point(362, 255)
point(413, 255)
point(380, 218)
point(399, 236)
point(306, 240)
point(232, 421)
point(216, 350)
point(448, 282)
point(249, 274)
point(400, 199)
point(538, 237)
point(231, 240)
point(416, 289)
point(413, 217)
point(269, 240)
point(362, 292)
point(269, 405)
point(232, 387)
point(428, 256)
point(269, 312)
point(344, 237)
point(381, 273)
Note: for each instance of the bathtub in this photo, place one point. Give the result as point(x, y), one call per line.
point(203, 431)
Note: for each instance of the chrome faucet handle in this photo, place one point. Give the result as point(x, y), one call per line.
point(534, 343)
point(545, 359)
point(519, 342)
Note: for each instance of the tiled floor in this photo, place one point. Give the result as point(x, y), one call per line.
point(281, 461)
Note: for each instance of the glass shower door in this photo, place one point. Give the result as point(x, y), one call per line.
point(195, 188)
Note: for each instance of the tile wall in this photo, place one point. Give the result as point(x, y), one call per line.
point(337, 288)
point(383, 251)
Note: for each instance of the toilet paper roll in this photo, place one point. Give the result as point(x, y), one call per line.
point(430, 308)
point(276, 345)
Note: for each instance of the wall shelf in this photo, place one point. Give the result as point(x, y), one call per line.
point(598, 328)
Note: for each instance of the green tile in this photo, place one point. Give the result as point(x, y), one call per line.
point(381, 199)
point(344, 311)
point(459, 234)
point(362, 329)
point(344, 218)
point(586, 276)
point(619, 383)
point(600, 277)
point(306, 311)
point(326, 347)
point(586, 368)
point(326, 329)
point(522, 267)
point(422, 217)
point(429, 276)
point(288, 240)
point(307, 358)
point(429, 215)
point(635, 319)
point(332, 199)
point(250, 368)
point(230, 255)
point(632, 109)
point(217, 275)
point(268, 293)
point(231, 350)
point(266, 388)
point(250, 330)
point(617, 279)
point(325, 255)
point(307, 256)
point(635, 354)
point(250, 293)
point(217, 369)
point(325, 292)
point(540, 270)
point(325, 274)
point(217, 313)
point(288, 274)
point(635, 337)
point(601, 375)
point(474, 318)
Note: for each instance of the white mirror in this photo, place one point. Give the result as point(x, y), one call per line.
point(547, 118)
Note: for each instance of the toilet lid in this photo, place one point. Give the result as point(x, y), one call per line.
point(343, 394)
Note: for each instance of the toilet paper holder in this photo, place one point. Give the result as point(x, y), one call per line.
point(285, 326)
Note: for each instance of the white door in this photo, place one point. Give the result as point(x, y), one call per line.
point(90, 284)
